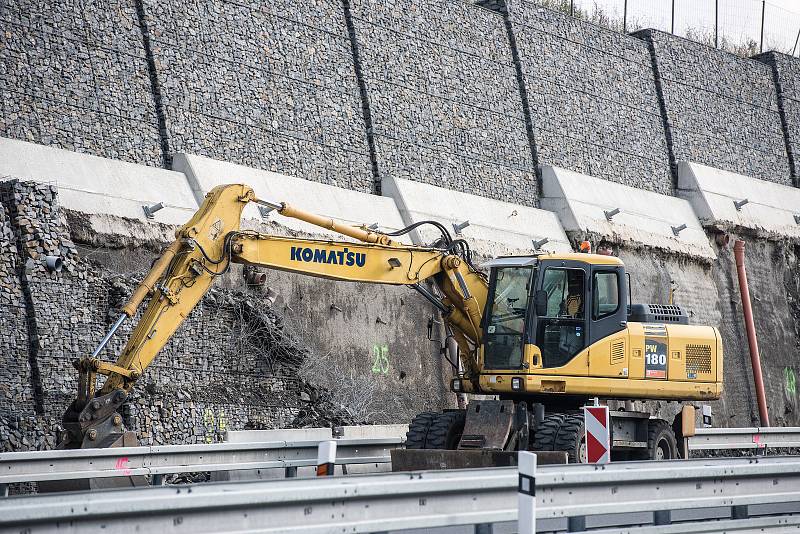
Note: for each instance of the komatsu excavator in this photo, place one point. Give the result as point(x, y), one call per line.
point(542, 333)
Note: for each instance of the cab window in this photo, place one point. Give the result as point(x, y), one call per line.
point(606, 294)
point(503, 346)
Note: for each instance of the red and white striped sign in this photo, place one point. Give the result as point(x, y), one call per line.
point(598, 437)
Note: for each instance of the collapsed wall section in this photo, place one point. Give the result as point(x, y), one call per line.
point(74, 75)
point(268, 85)
point(786, 73)
point(592, 98)
point(444, 102)
point(721, 110)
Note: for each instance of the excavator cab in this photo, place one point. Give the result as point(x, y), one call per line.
point(543, 311)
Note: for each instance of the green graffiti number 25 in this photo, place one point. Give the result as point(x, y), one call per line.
point(789, 380)
point(380, 363)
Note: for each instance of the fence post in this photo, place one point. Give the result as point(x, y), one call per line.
point(526, 496)
point(763, 9)
point(326, 458)
point(625, 17)
point(672, 31)
point(572, 8)
point(716, 23)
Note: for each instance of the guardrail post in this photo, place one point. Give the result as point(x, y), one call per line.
point(3, 490)
point(483, 528)
point(158, 480)
point(740, 511)
point(662, 517)
point(291, 472)
point(326, 458)
point(576, 523)
point(526, 493)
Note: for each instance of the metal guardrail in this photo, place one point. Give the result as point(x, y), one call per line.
point(745, 438)
point(35, 466)
point(395, 501)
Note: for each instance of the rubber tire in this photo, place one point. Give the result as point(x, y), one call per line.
point(544, 437)
point(418, 430)
point(661, 441)
point(571, 435)
point(446, 430)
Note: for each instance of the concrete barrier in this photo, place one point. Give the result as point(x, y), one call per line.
point(645, 218)
point(771, 208)
point(495, 228)
point(344, 205)
point(99, 186)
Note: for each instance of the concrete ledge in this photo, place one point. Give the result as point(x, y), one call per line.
point(496, 228)
point(771, 208)
point(344, 205)
point(645, 218)
point(99, 186)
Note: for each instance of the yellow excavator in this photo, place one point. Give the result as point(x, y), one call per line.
point(541, 334)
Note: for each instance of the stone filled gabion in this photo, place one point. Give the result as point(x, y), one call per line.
point(721, 109)
point(443, 96)
point(268, 84)
point(592, 98)
point(74, 75)
point(786, 72)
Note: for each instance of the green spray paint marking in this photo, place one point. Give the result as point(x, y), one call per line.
point(380, 364)
point(789, 380)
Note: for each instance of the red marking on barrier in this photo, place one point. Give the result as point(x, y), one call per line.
point(122, 464)
point(598, 444)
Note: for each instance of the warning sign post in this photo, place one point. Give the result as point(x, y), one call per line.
point(598, 434)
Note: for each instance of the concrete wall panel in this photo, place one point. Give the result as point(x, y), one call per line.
point(344, 205)
point(772, 209)
point(495, 228)
point(645, 218)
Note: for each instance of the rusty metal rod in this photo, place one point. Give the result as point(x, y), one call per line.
point(755, 358)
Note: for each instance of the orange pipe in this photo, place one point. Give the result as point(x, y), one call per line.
point(755, 358)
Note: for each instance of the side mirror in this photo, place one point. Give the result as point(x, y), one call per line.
point(540, 302)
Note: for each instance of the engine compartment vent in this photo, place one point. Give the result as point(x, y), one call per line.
point(657, 313)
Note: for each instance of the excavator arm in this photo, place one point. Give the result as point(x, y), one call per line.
point(213, 240)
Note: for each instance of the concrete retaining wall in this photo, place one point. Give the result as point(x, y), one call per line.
point(271, 85)
point(444, 102)
point(772, 210)
point(721, 110)
point(592, 98)
point(74, 75)
point(495, 228)
point(645, 219)
point(98, 187)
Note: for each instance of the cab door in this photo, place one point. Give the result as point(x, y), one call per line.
point(609, 350)
point(561, 332)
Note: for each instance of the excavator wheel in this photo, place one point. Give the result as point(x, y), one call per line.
point(661, 442)
point(418, 430)
point(446, 430)
point(571, 438)
point(545, 436)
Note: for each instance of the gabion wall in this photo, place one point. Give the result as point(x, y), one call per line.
point(443, 95)
point(206, 380)
point(786, 72)
point(74, 75)
point(721, 109)
point(592, 98)
point(270, 86)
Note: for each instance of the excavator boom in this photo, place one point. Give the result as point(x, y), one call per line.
point(207, 246)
